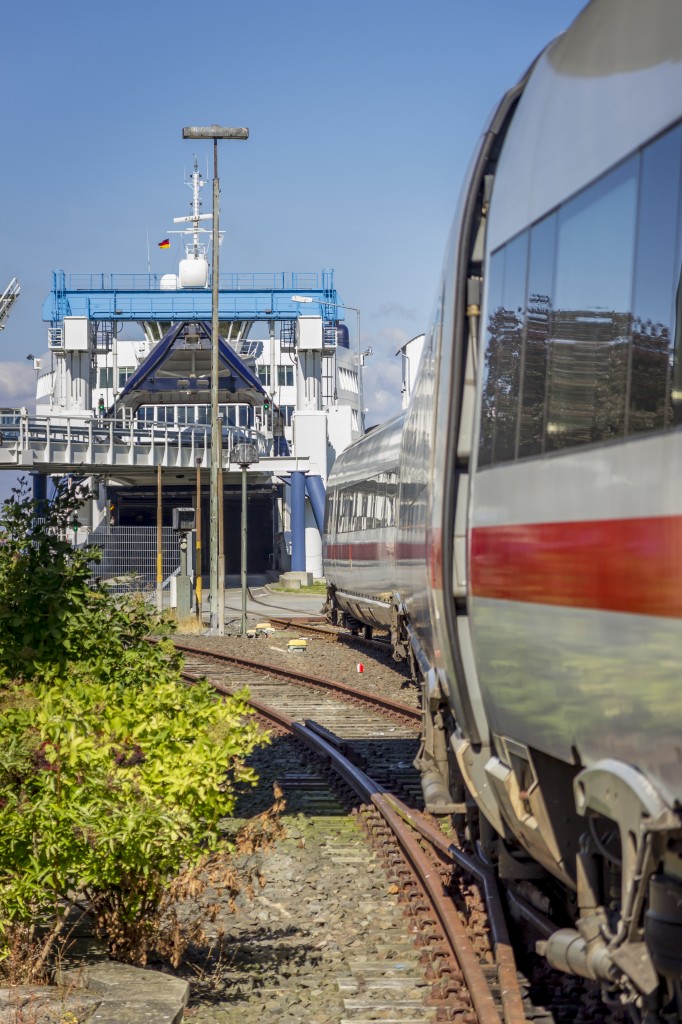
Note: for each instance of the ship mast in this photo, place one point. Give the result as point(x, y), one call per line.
point(195, 249)
point(193, 269)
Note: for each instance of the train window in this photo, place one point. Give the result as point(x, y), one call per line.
point(346, 511)
point(510, 331)
point(595, 351)
point(369, 510)
point(656, 283)
point(589, 347)
point(380, 501)
point(538, 328)
point(357, 510)
point(495, 283)
point(503, 351)
point(330, 524)
point(391, 492)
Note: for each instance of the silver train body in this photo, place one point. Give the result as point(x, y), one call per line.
point(520, 528)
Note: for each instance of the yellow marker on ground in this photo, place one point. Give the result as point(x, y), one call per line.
point(297, 646)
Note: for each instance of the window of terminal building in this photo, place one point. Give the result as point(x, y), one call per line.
point(124, 373)
point(106, 376)
point(287, 412)
point(264, 375)
point(285, 375)
point(348, 380)
point(186, 415)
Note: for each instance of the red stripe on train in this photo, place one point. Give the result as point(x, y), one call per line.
point(618, 565)
point(373, 551)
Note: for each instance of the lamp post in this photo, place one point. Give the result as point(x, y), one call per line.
point(215, 132)
point(341, 305)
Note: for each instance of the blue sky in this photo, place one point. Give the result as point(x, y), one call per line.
point(363, 116)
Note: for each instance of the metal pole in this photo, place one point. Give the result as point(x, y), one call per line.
point(244, 468)
point(360, 396)
point(159, 542)
point(221, 553)
point(273, 373)
point(198, 543)
point(216, 433)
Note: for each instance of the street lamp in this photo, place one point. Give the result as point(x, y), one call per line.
point(341, 305)
point(215, 132)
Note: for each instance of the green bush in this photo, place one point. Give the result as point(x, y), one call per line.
point(43, 581)
point(114, 775)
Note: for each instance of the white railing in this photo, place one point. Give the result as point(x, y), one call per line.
point(92, 441)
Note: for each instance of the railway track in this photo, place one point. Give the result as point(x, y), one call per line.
point(367, 748)
point(318, 627)
point(379, 731)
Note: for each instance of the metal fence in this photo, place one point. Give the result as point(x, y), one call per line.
point(129, 556)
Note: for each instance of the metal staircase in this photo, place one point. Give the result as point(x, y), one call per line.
point(7, 300)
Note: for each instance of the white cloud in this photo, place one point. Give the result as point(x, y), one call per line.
point(17, 384)
point(395, 310)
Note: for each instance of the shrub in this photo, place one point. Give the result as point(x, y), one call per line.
point(43, 580)
point(114, 775)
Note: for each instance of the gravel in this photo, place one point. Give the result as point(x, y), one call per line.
point(326, 925)
point(337, 660)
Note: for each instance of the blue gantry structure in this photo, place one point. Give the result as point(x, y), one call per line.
point(145, 297)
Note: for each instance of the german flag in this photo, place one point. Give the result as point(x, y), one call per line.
point(165, 244)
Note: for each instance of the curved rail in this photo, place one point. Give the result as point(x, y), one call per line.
point(377, 700)
point(331, 633)
point(408, 826)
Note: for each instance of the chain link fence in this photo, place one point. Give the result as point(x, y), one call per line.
point(129, 556)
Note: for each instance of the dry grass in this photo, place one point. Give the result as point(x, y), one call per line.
point(186, 624)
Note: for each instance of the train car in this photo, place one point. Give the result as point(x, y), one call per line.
point(360, 529)
point(539, 524)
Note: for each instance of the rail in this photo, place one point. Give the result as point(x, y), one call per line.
point(248, 282)
point(409, 827)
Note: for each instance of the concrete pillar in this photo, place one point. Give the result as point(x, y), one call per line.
point(309, 381)
point(298, 530)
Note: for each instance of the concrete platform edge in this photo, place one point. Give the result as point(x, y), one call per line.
point(129, 995)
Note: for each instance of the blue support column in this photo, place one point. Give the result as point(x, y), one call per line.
point(40, 493)
point(297, 521)
point(316, 493)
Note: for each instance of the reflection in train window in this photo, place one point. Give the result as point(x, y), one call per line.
point(538, 330)
point(503, 354)
point(656, 274)
point(489, 390)
point(591, 322)
point(582, 343)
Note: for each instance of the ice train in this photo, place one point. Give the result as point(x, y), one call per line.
point(519, 527)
